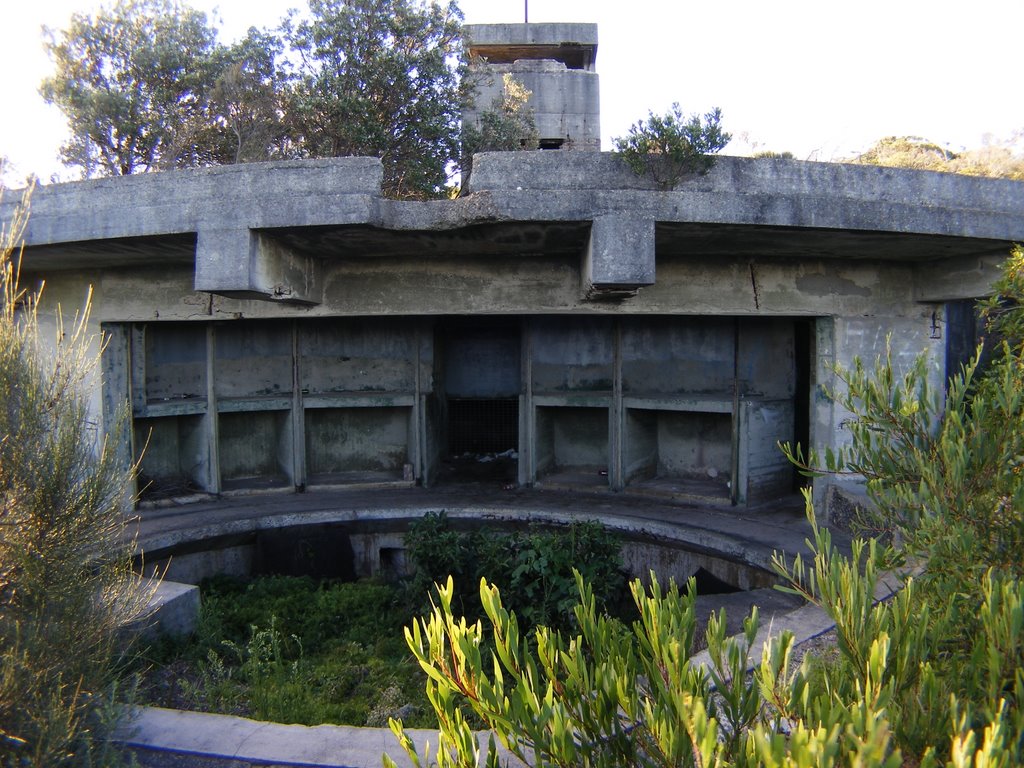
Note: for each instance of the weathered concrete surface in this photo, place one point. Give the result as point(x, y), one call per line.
point(865, 254)
point(163, 735)
point(255, 196)
point(555, 63)
point(173, 609)
point(770, 192)
point(169, 738)
point(749, 536)
point(531, 186)
point(241, 263)
point(497, 38)
point(566, 102)
point(620, 253)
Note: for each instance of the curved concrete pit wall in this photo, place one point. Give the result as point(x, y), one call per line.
point(348, 549)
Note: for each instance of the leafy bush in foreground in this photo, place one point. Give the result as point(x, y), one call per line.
point(616, 696)
point(66, 588)
point(932, 677)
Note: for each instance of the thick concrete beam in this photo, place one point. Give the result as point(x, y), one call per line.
point(340, 190)
point(241, 263)
point(484, 38)
point(619, 255)
point(958, 278)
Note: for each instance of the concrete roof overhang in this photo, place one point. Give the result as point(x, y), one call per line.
point(525, 203)
point(575, 45)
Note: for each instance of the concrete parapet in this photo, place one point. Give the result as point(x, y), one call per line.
point(254, 195)
point(173, 609)
point(769, 192)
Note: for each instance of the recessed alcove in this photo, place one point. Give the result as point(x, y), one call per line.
point(572, 446)
point(357, 445)
point(173, 455)
point(255, 449)
point(680, 452)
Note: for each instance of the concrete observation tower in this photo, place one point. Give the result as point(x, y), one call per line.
point(556, 63)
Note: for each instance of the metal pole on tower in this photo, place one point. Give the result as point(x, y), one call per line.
point(526, 11)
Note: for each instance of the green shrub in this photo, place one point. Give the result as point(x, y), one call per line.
point(933, 676)
point(670, 146)
point(66, 587)
point(534, 569)
point(294, 650)
point(609, 695)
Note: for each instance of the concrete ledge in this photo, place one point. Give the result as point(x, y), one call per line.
point(768, 192)
point(545, 33)
point(173, 609)
point(806, 623)
point(527, 186)
point(224, 737)
point(748, 539)
point(176, 607)
point(169, 737)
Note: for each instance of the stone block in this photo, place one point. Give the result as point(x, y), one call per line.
point(173, 610)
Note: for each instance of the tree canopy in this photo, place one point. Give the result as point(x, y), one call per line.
point(128, 79)
point(146, 85)
point(381, 78)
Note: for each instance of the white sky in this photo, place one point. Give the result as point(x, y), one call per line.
point(820, 78)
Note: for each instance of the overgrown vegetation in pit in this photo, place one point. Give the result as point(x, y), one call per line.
point(294, 650)
point(299, 650)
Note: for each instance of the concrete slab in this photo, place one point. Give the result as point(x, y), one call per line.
point(175, 608)
point(162, 738)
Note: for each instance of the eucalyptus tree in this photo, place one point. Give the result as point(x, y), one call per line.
point(380, 78)
point(130, 80)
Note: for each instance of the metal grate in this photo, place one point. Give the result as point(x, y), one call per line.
point(482, 426)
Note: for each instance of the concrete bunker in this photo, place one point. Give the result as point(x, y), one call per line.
point(688, 407)
point(283, 326)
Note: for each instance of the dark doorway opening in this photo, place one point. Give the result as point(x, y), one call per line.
point(483, 426)
point(965, 330)
point(481, 383)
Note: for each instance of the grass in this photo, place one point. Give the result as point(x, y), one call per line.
point(293, 650)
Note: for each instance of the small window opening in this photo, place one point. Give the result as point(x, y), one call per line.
point(551, 143)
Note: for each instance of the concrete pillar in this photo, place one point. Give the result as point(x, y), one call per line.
point(241, 263)
point(116, 398)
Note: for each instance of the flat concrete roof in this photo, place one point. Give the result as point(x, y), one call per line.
point(526, 202)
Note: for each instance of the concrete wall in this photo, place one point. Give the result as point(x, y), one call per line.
point(566, 103)
point(311, 401)
point(857, 305)
point(255, 295)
